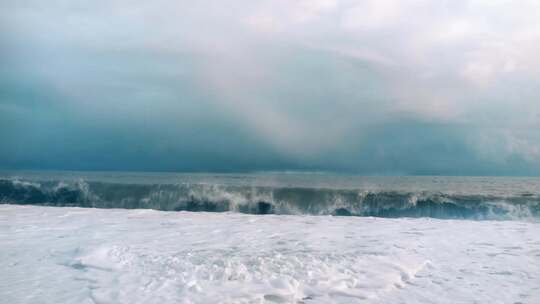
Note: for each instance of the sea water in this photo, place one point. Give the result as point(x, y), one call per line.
point(267, 238)
point(279, 193)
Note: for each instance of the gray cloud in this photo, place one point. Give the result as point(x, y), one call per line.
point(378, 87)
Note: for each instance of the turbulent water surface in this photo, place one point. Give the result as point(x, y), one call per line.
point(405, 239)
point(315, 194)
point(84, 255)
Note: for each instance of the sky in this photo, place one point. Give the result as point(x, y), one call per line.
point(367, 87)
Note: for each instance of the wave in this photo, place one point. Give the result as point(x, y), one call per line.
point(269, 200)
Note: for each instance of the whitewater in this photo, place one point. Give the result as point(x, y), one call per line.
point(78, 255)
point(267, 238)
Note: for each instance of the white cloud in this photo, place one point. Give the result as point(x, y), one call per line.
point(372, 15)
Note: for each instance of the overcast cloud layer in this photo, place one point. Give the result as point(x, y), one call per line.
point(371, 87)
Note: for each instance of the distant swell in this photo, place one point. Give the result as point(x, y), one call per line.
point(269, 200)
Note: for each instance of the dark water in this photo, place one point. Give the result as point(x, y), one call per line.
point(281, 193)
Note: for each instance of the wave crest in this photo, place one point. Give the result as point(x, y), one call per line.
point(269, 200)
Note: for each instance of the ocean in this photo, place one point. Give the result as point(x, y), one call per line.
point(267, 238)
point(281, 193)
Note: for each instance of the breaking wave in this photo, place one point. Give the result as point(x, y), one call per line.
point(269, 200)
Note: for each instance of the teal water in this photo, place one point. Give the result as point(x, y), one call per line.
point(281, 193)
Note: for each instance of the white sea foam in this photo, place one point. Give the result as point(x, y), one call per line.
point(73, 255)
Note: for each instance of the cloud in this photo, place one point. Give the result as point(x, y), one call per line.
point(310, 83)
